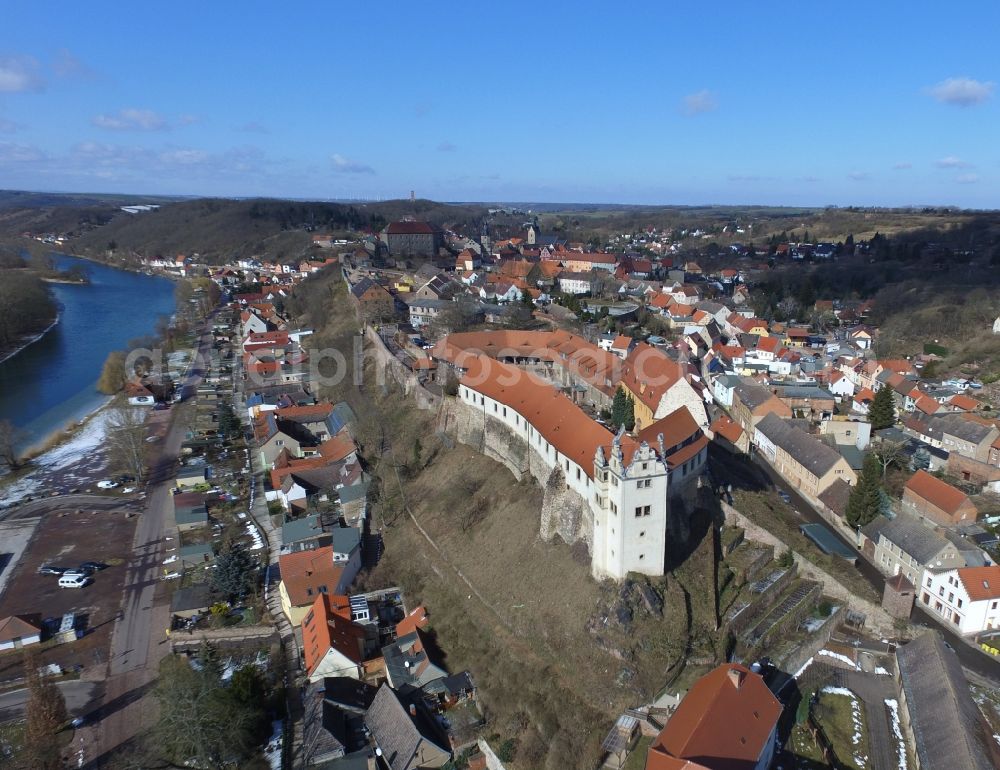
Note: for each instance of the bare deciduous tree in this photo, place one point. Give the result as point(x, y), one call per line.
point(10, 437)
point(126, 439)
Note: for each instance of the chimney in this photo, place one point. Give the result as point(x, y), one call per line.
point(736, 677)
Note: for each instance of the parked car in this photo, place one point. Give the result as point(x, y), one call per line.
point(107, 484)
point(73, 581)
point(90, 567)
point(48, 569)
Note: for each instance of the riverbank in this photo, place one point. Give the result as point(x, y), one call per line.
point(30, 340)
point(69, 458)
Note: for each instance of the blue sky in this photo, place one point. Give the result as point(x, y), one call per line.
point(677, 103)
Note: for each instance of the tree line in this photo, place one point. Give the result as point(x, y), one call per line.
point(26, 306)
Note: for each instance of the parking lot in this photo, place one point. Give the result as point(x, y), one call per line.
point(67, 539)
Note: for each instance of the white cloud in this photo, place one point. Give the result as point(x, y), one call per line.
point(9, 126)
point(967, 178)
point(131, 119)
point(19, 74)
point(11, 152)
point(446, 146)
point(700, 102)
point(902, 166)
point(962, 92)
point(952, 162)
point(184, 157)
point(344, 165)
point(859, 176)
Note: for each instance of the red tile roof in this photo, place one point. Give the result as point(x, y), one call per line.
point(559, 421)
point(724, 722)
point(965, 403)
point(981, 583)
point(329, 625)
point(938, 493)
point(306, 573)
point(728, 429)
point(415, 620)
point(649, 373)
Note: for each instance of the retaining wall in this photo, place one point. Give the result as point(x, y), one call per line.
point(877, 618)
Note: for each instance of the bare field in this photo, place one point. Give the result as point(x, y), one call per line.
point(67, 540)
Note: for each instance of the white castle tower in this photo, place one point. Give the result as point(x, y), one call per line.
point(630, 511)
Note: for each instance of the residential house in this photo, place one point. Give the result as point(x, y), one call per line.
point(752, 403)
point(727, 720)
point(577, 262)
point(622, 346)
point(968, 436)
point(723, 389)
point(334, 645)
point(575, 283)
point(425, 311)
point(840, 385)
point(333, 727)
point(929, 497)
point(408, 736)
point(138, 394)
point(374, 301)
point(307, 574)
point(937, 713)
point(804, 461)
point(17, 631)
point(659, 385)
point(904, 545)
point(807, 401)
point(731, 432)
point(408, 663)
point(967, 598)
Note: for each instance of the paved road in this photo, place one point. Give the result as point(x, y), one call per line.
point(79, 696)
point(139, 641)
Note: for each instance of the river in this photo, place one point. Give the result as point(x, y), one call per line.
point(51, 383)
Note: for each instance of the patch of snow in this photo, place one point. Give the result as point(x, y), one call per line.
point(801, 671)
point(841, 658)
point(879, 671)
point(831, 690)
point(893, 706)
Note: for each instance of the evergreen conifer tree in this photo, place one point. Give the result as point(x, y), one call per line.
point(865, 502)
point(882, 412)
point(618, 407)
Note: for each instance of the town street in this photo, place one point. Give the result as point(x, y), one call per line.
point(140, 640)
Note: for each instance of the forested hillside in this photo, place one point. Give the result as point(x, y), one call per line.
point(26, 307)
point(217, 229)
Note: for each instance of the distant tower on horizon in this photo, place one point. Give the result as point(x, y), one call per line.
point(413, 196)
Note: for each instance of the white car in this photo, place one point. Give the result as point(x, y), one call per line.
point(107, 484)
point(73, 581)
